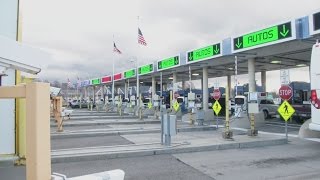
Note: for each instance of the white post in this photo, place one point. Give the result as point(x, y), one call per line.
point(264, 81)
point(153, 86)
point(205, 92)
point(138, 85)
point(125, 90)
point(251, 74)
point(235, 75)
point(174, 77)
point(190, 78)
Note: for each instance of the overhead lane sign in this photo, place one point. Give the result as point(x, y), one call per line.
point(95, 81)
point(204, 53)
point(117, 77)
point(168, 63)
point(106, 79)
point(129, 74)
point(146, 69)
point(272, 35)
point(314, 23)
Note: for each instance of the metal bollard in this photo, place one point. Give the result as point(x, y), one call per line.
point(227, 134)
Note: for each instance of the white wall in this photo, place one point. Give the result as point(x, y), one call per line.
point(7, 119)
point(8, 28)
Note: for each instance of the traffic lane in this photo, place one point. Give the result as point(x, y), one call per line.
point(299, 159)
point(282, 121)
point(66, 143)
point(12, 173)
point(272, 128)
point(159, 167)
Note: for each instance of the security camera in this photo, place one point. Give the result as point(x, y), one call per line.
point(3, 71)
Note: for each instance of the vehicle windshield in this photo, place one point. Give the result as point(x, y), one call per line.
point(239, 101)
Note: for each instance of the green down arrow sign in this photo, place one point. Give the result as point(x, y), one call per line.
point(204, 53)
point(272, 34)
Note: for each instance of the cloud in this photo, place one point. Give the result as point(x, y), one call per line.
point(79, 33)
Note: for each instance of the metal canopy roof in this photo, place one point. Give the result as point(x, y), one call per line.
point(290, 54)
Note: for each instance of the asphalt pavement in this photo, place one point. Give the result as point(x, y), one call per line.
point(300, 159)
point(66, 143)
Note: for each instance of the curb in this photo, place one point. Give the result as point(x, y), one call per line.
point(97, 114)
point(165, 150)
point(108, 123)
point(96, 134)
point(80, 118)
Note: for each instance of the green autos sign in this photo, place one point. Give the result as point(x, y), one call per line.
point(168, 63)
point(204, 53)
point(264, 36)
point(95, 81)
point(145, 69)
point(129, 74)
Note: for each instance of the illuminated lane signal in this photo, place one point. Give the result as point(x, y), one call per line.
point(129, 74)
point(146, 69)
point(271, 35)
point(95, 81)
point(204, 53)
point(168, 63)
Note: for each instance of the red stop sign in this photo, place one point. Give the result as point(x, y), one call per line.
point(216, 94)
point(285, 92)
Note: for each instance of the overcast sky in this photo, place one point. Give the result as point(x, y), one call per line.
point(79, 33)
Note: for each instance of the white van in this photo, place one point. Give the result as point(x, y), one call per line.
point(315, 88)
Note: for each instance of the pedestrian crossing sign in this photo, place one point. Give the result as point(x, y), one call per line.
point(149, 105)
point(216, 107)
point(286, 110)
point(176, 106)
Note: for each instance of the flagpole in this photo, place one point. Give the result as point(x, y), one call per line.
point(113, 76)
point(68, 92)
point(138, 83)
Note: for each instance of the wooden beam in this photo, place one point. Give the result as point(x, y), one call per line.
point(13, 92)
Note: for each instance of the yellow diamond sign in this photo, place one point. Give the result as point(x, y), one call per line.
point(286, 110)
point(149, 105)
point(176, 106)
point(216, 107)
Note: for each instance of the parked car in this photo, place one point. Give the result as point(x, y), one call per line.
point(268, 107)
point(76, 104)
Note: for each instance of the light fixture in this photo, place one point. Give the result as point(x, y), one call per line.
point(195, 74)
point(141, 82)
point(275, 62)
point(301, 65)
point(230, 68)
point(170, 78)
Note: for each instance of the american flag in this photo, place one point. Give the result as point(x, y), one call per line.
point(141, 38)
point(115, 49)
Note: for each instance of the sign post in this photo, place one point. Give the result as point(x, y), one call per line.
point(216, 106)
point(285, 109)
